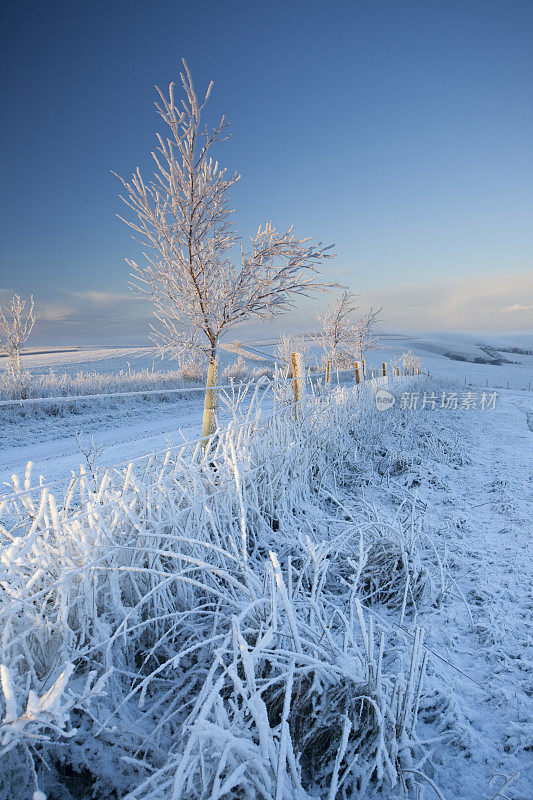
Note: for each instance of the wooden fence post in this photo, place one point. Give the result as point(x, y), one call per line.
point(328, 370)
point(357, 372)
point(384, 369)
point(363, 364)
point(298, 380)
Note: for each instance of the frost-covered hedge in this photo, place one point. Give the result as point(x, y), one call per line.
point(53, 384)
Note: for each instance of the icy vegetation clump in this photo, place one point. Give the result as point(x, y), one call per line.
point(216, 624)
point(53, 384)
point(238, 371)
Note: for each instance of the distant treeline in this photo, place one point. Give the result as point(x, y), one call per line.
point(522, 351)
point(477, 360)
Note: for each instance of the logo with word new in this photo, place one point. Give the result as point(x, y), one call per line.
point(384, 400)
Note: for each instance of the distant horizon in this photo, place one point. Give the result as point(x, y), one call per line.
point(250, 338)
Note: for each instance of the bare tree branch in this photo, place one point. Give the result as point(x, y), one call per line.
point(363, 336)
point(337, 327)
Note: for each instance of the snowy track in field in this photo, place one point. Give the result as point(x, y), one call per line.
point(125, 432)
point(484, 511)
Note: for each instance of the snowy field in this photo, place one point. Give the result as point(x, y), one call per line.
point(334, 608)
point(120, 428)
point(125, 428)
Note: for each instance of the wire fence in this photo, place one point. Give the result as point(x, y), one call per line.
point(114, 478)
point(183, 390)
point(313, 382)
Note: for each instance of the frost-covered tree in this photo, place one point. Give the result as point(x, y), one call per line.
point(363, 334)
point(410, 363)
point(16, 322)
point(183, 220)
point(336, 328)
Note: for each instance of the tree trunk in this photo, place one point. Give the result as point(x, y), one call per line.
point(12, 365)
point(210, 404)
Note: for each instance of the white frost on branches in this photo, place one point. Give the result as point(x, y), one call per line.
point(410, 363)
point(16, 323)
point(363, 336)
point(288, 345)
point(337, 326)
point(183, 219)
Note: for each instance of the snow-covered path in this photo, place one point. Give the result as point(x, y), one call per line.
point(484, 511)
point(120, 431)
point(123, 431)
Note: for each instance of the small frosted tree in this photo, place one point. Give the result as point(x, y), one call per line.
point(183, 220)
point(16, 323)
point(363, 334)
point(411, 364)
point(336, 328)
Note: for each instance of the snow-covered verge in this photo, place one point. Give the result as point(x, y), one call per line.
point(333, 606)
point(52, 432)
point(127, 427)
point(53, 384)
point(56, 386)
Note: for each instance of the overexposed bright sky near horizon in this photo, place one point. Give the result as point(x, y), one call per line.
point(401, 130)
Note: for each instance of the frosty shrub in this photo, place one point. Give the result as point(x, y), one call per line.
point(288, 345)
point(53, 384)
point(363, 336)
point(192, 369)
point(16, 324)
point(410, 362)
point(10, 391)
point(262, 372)
point(237, 371)
point(336, 327)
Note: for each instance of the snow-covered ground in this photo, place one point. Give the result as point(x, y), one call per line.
point(71, 360)
point(422, 515)
point(121, 429)
point(479, 513)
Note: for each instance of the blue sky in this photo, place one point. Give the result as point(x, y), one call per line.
point(400, 130)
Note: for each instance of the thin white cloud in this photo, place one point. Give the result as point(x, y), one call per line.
point(104, 298)
point(516, 307)
point(472, 303)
